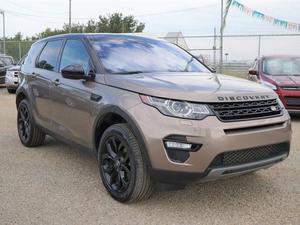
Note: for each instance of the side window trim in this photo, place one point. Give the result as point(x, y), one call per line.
point(60, 51)
point(85, 47)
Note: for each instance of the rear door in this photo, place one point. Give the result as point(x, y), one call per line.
point(71, 98)
point(41, 66)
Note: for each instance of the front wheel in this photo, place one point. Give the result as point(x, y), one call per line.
point(123, 169)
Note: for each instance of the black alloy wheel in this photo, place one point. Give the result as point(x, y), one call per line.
point(24, 123)
point(115, 163)
point(123, 168)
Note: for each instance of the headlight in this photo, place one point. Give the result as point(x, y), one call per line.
point(176, 108)
point(268, 84)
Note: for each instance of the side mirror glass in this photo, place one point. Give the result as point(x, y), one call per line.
point(74, 72)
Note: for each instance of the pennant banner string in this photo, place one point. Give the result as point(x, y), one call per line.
point(266, 18)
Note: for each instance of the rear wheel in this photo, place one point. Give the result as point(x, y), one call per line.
point(29, 134)
point(123, 169)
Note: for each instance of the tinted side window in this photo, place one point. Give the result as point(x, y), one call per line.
point(49, 56)
point(33, 53)
point(75, 53)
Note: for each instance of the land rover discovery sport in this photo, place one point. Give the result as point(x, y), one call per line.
point(152, 112)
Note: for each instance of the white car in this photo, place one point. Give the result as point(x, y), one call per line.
point(12, 77)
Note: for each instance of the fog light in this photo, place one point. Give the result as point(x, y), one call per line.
point(178, 145)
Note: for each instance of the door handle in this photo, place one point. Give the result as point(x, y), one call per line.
point(56, 82)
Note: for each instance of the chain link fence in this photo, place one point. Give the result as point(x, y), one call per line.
point(239, 50)
point(16, 49)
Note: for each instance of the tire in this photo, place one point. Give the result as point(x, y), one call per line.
point(122, 166)
point(11, 90)
point(30, 135)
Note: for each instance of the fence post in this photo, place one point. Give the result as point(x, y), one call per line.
point(214, 48)
point(20, 50)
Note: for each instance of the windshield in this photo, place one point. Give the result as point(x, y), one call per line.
point(282, 66)
point(7, 61)
point(137, 55)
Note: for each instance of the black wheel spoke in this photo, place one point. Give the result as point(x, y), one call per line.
point(111, 152)
point(24, 125)
point(116, 164)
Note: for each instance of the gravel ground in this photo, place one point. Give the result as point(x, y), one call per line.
point(57, 184)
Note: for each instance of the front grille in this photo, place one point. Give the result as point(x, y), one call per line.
point(292, 101)
point(235, 111)
point(239, 157)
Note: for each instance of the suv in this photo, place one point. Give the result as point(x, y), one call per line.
point(152, 112)
point(282, 74)
point(5, 63)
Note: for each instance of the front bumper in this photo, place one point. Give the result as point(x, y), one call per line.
point(216, 137)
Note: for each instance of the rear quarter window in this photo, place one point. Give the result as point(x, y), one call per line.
point(33, 53)
point(49, 55)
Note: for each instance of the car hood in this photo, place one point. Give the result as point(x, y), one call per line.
point(285, 80)
point(205, 87)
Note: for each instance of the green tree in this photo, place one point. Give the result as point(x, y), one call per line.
point(118, 23)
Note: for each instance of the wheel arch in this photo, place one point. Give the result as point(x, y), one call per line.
point(20, 95)
point(113, 115)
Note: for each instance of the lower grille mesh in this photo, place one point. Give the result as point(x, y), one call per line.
point(239, 157)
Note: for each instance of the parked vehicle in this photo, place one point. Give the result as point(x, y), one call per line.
point(5, 63)
point(152, 112)
point(282, 74)
point(12, 77)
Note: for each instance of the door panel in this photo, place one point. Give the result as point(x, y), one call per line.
point(40, 83)
point(71, 110)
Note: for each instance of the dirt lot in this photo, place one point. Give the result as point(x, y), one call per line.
point(57, 184)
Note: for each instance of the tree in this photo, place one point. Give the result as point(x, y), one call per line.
point(118, 23)
point(112, 23)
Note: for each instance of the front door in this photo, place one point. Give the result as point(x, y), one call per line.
point(71, 98)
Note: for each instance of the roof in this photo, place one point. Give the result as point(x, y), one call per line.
point(97, 35)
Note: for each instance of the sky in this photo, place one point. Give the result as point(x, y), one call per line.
point(198, 16)
point(191, 17)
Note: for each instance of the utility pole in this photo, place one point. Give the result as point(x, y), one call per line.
point(259, 44)
point(221, 36)
point(4, 47)
point(70, 11)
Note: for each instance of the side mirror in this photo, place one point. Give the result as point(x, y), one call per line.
point(74, 72)
point(253, 72)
